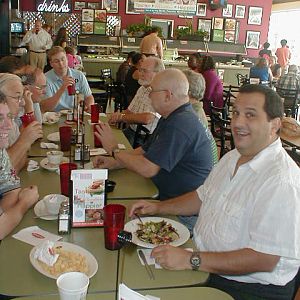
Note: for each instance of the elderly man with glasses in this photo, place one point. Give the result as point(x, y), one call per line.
point(140, 109)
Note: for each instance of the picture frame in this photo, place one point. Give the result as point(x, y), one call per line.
point(87, 27)
point(240, 11)
point(201, 9)
point(93, 5)
point(230, 24)
point(100, 15)
point(228, 11)
point(255, 15)
point(218, 23)
point(87, 15)
point(205, 24)
point(130, 7)
point(229, 36)
point(99, 28)
point(112, 6)
point(252, 39)
point(217, 35)
point(79, 5)
point(185, 16)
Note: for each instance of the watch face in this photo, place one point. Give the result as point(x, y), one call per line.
point(195, 261)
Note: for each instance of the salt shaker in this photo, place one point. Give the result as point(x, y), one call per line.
point(86, 153)
point(64, 218)
point(77, 153)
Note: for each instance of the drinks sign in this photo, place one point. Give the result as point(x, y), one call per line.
point(53, 6)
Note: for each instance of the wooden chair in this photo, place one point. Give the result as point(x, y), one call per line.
point(221, 129)
point(291, 101)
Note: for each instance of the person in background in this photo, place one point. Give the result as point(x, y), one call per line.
point(14, 201)
point(194, 62)
point(262, 71)
point(61, 38)
point(124, 68)
point(59, 78)
point(247, 232)
point(39, 42)
point(10, 64)
point(71, 57)
point(132, 77)
point(140, 110)
point(265, 52)
point(214, 87)
point(151, 44)
point(284, 55)
point(177, 157)
point(275, 68)
point(196, 92)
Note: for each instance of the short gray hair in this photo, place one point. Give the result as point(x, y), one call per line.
point(196, 84)
point(5, 77)
point(157, 62)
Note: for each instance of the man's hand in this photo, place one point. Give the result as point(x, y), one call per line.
point(28, 101)
point(28, 197)
point(115, 118)
point(143, 207)
point(172, 258)
point(104, 162)
point(31, 133)
point(67, 80)
point(104, 133)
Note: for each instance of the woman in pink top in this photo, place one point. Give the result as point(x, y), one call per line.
point(214, 87)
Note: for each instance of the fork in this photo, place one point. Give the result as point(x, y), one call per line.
point(137, 215)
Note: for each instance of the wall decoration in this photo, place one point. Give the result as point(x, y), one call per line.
point(201, 10)
point(230, 24)
point(93, 5)
point(87, 27)
point(205, 25)
point(185, 16)
point(100, 15)
point(130, 7)
point(112, 6)
point(240, 11)
point(228, 11)
point(99, 28)
point(255, 15)
point(182, 27)
point(87, 15)
point(218, 23)
point(252, 39)
point(229, 36)
point(79, 5)
point(217, 35)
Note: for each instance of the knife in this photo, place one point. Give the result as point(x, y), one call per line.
point(148, 269)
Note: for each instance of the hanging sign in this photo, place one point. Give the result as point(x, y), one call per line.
point(53, 6)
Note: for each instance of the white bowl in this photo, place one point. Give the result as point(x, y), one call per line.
point(55, 157)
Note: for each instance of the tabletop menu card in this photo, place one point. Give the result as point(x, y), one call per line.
point(88, 198)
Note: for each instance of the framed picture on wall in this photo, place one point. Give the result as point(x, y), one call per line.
point(87, 15)
point(112, 6)
point(230, 24)
point(87, 27)
point(255, 15)
point(99, 28)
point(79, 5)
point(252, 39)
point(217, 35)
point(130, 7)
point(218, 23)
point(240, 11)
point(201, 10)
point(228, 11)
point(93, 5)
point(229, 36)
point(205, 25)
point(100, 15)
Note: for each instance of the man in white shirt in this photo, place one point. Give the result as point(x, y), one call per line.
point(247, 232)
point(39, 41)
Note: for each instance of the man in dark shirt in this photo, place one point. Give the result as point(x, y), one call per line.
point(124, 68)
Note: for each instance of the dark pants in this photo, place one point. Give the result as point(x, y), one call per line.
point(252, 291)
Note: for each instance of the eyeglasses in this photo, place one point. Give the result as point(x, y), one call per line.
point(10, 116)
point(151, 91)
point(16, 98)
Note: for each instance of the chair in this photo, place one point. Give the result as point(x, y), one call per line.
point(294, 153)
point(242, 79)
point(291, 101)
point(141, 135)
point(221, 129)
point(107, 82)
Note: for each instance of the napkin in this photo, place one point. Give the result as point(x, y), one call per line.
point(48, 145)
point(101, 151)
point(35, 236)
point(44, 253)
point(32, 165)
point(125, 293)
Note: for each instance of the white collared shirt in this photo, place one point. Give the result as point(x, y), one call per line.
point(39, 42)
point(258, 208)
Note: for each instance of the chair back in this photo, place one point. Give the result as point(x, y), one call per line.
point(291, 101)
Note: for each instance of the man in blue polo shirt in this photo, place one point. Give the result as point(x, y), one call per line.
point(58, 80)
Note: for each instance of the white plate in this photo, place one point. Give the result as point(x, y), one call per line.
point(50, 118)
point(132, 227)
point(53, 137)
point(41, 211)
point(50, 167)
point(64, 111)
point(90, 259)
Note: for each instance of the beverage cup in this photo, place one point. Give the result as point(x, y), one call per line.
point(114, 216)
point(65, 135)
point(52, 203)
point(97, 142)
point(27, 118)
point(55, 157)
point(71, 90)
point(65, 174)
point(72, 286)
point(95, 110)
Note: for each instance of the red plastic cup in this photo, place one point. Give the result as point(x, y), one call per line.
point(27, 118)
point(114, 216)
point(71, 90)
point(65, 135)
point(97, 142)
point(65, 174)
point(95, 110)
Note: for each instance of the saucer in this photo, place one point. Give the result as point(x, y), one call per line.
point(53, 137)
point(50, 167)
point(41, 211)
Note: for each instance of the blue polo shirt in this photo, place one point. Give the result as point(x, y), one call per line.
point(54, 82)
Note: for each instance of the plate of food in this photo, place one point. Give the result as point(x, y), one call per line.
point(50, 117)
point(45, 164)
point(72, 258)
point(156, 231)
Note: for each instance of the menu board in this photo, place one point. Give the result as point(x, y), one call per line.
point(93, 21)
point(88, 197)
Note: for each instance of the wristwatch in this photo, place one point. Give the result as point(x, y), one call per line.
point(114, 151)
point(195, 261)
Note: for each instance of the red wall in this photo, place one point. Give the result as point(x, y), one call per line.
point(29, 5)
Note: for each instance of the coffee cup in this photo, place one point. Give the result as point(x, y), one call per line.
point(55, 157)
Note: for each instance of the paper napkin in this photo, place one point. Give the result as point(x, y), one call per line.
point(48, 145)
point(35, 236)
point(32, 165)
point(125, 293)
